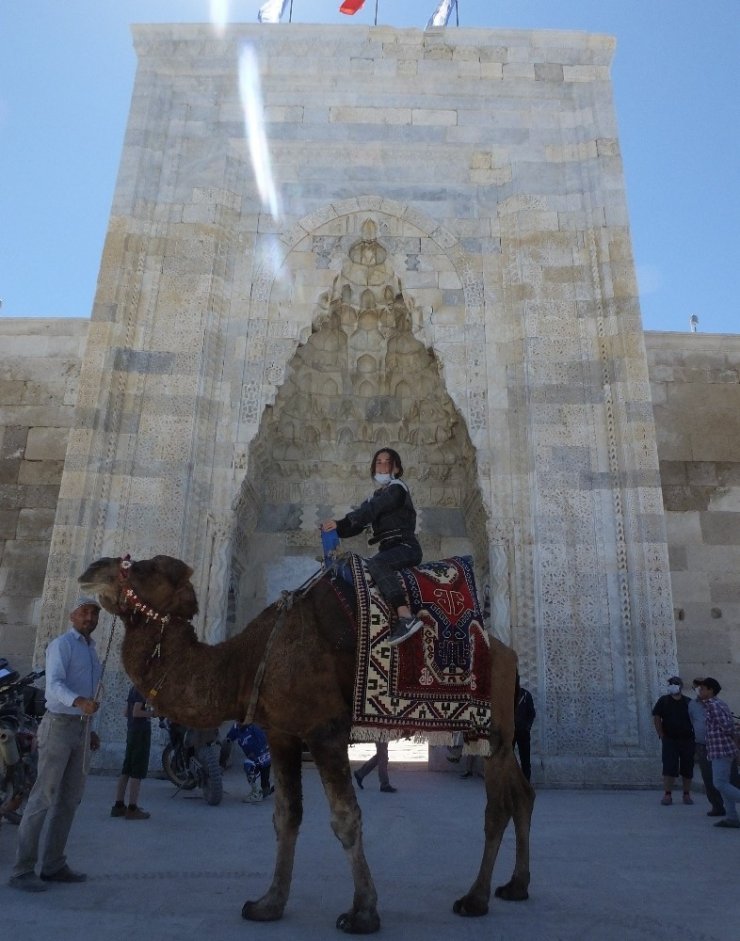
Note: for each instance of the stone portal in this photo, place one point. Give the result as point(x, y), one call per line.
point(360, 381)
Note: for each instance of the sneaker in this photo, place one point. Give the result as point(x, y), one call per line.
point(359, 781)
point(728, 824)
point(254, 797)
point(65, 874)
point(667, 800)
point(687, 798)
point(716, 812)
point(403, 629)
point(27, 882)
point(118, 810)
point(266, 794)
point(136, 813)
point(388, 789)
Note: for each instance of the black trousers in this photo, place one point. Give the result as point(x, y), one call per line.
point(522, 740)
point(385, 565)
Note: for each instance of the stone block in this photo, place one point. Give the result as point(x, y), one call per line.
point(40, 472)
point(36, 524)
point(8, 523)
point(46, 444)
point(720, 528)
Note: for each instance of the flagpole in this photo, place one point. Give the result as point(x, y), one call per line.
point(457, 11)
point(376, 12)
point(290, 14)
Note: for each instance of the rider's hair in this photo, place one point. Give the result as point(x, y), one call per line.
point(395, 460)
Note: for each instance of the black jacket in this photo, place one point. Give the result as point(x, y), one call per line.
point(390, 511)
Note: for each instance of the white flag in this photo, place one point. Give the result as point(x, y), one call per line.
point(442, 14)
point(272, 11)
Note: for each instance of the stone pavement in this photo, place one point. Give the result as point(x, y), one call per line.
point(606, 866)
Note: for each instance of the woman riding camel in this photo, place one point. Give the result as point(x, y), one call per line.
point(390, 511)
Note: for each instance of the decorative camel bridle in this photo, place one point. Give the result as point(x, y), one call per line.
point(128, 599)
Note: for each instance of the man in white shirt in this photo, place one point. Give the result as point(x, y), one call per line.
point(73, 673)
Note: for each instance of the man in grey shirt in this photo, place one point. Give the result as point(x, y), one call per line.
point(73, 673)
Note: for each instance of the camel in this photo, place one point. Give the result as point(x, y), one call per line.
point(292, 671)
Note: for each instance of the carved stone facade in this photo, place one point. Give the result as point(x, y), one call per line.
point(451, 275)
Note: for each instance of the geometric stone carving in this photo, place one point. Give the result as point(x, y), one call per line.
point(361, 380)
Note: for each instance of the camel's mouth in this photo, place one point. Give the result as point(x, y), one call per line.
point(101, 579)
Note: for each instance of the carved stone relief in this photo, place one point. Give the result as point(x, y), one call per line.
point(360, 381)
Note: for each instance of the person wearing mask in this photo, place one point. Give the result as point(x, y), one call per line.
point(676, 734)
point(697, 714)
point(391, 514)
point(721, 748)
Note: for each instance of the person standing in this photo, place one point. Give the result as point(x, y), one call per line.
point(524, 716)
point(721, 748)
point(73, 673)
point(391, 514)
point(380, 761)
point(676, 734)
point(136, 759)
point(697, 714)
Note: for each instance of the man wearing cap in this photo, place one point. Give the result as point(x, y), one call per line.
point(698, 715)
point(73, 672)
point(676, 734)
point(721, 748)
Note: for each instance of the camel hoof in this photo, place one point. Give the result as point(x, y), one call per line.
point(358, 922)
point(513, 891)
point(469, 907)
point(253, 911)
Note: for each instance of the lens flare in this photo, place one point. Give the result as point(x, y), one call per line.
point(250, 90)
point(219, 15)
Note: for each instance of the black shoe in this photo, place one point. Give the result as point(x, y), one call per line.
point(118, 811)
point(715, 812)
point(388, 789)
point(65, 874)
point(359, 781)
point(403, 629)
point(27, 882)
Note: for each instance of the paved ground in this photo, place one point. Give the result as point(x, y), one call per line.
point(606, 866)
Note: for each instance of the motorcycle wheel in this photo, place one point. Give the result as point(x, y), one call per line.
point(212, 781)
point(180, 775)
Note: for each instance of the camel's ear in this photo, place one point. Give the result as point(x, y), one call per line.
point(173, 570)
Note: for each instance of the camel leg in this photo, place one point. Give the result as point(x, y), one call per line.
point(287, 816)
point(329, 749)
point(508, 793)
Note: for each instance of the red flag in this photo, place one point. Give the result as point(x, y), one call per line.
point(350, 7)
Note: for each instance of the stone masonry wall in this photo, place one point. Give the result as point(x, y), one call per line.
point(39, 366)
point(695, 381)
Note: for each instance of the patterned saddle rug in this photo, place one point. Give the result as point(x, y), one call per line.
point(436, 685)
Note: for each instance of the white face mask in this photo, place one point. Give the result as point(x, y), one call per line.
point(673, 689)
point(382, 479)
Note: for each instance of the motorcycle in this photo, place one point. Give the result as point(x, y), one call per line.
point(21, 707)
point(192, 758)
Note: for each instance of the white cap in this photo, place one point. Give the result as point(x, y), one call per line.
point(82, 601)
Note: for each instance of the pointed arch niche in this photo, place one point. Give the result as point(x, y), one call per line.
point(360, 381)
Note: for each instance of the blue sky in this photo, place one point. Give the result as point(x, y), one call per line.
point(66, 74)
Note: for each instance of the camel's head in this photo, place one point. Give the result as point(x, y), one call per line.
point(161, 583)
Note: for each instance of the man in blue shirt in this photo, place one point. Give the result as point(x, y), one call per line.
point(73, 673)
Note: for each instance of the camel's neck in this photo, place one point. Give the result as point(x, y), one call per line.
point(186, 680)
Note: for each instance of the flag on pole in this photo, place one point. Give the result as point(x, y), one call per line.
point(442, 14)
point(350, 7)
point(272, 11)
